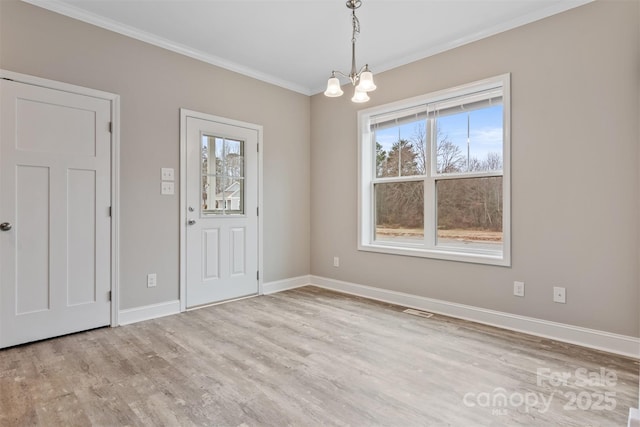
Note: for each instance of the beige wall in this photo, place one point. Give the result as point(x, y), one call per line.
point(575, 187)
point(154, 84)
point(575, 202)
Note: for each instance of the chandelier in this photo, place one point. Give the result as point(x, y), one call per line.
point(361, 79)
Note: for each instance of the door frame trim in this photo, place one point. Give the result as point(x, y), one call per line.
point(184, 114)
point(115, 168)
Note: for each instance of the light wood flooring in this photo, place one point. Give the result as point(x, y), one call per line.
point(309, 357)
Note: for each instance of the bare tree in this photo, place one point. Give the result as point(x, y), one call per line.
point(400, 204)
point(493, 162)
point(420, 148)
point(449, 157)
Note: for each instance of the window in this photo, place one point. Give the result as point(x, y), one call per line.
point(222, 172)
point(434, 175)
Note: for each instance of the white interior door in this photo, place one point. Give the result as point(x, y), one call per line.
point(54, 209)
point(222, 217)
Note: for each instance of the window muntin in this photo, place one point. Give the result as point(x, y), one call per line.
point(434, 175)
point(222, 173)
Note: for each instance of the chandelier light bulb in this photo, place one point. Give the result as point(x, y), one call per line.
point(360, 96)
point(333, 88)
point(366, 82)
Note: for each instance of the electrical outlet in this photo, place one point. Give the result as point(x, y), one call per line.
point(518, 289)
point(152, 280)
point(336, 261)
point(167, 174)
point(559, 295)
point(167, 188)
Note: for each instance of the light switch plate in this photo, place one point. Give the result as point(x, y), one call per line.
point(167, 174)
point(167, 188)
point(152, 280)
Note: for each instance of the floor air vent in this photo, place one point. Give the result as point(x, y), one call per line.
point(418, 313)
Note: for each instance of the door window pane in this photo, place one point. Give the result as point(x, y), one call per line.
point(399, 211)
point(222, 173)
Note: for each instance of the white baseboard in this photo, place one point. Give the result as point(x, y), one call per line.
point(283, 285)
point(600, 340)
point(148, 312)
point(153, 311)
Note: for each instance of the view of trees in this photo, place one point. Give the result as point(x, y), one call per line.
point(470, 203)
point(462, 203)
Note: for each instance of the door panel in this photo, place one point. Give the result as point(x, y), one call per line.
point(238, 251)
point(32, 266)
point(211, 254)
point(76, 124)
point(222, 201)
point(55, 162)
point(81, 286)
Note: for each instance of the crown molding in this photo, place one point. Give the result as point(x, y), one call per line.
point(126, 30)
point(74, 12)
point(473, 37)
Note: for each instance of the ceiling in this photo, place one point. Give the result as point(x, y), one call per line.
point(297, 43)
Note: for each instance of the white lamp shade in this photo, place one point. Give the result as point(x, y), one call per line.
point(366, 82)
point(360, 96)
point(333, 88)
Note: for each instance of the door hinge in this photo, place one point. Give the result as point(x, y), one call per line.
point(109, 296)
point(258, 148)
point(258, 275)
point(109, 210)
point(110, 127)
point(258, 211)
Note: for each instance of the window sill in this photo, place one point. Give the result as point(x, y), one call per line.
point(487, 258)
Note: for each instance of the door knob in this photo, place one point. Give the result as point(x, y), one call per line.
point(190, 222)
point(5, 226)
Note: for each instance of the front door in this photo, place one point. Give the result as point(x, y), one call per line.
point(222, 216)
point(55, 162)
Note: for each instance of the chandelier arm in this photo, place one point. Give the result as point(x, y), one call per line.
point(340, 73)
point(364, 68)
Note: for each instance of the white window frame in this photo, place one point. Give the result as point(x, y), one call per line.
point(366, 180)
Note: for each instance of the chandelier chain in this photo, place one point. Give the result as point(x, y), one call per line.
point(356, 26)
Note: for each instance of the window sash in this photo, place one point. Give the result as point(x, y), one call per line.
point(430, 239)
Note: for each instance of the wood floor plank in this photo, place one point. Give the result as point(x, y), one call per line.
point(308, 357)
